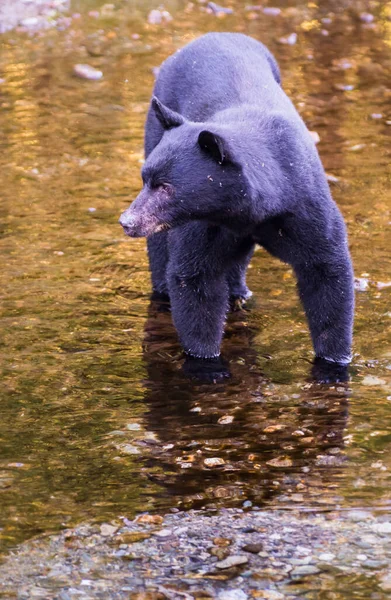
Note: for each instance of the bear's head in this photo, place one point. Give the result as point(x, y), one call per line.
point(192, 174)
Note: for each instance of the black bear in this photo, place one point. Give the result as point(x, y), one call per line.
point(230, 164)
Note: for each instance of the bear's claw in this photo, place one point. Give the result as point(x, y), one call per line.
point(207, 370)
point(325, 371)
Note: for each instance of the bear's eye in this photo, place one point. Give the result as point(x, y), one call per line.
point(164, 187)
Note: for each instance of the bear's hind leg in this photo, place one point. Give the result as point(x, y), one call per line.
point(318, 252)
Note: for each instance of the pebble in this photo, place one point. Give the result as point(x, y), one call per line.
point(315, 136)
point(253, 548)
point(106, 529)
point(214, 462)
point(366, 17)
point(363, 545)
point(342, 64)
point(343, 87)
point(382, 527)
point(302, 561)
point(297, 498)
point(281, 462)
point(326, 556)
point(271, 595)
point(361, 284)
point(128, 449)
point(385, 582)
point(372, 380)
point(157, 17)
point(302, 571)
point(232, 561)
point(273, 11)
point(131, 538)
point(85, 71)
point(163, 533)
point(225, 420)
point(218, 10)
point(331, 179)
point(370, 539)
point(357, 147)
point(375, 564)
point(223, 542)
point(149, 519)
point(383, 284)
point(29, 22)
point(273, 428)
point(232, 595)
point(289, 40)
point(358, 515)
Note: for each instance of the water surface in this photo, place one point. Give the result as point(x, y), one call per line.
point(97, 419)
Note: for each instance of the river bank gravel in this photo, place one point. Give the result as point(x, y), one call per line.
point(229, 555)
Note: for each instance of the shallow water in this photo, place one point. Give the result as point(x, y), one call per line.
point(97, 419)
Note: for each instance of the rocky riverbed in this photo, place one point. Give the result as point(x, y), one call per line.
point(233, 554)
point(30, 15)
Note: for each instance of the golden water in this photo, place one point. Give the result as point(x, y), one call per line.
point(84, 354)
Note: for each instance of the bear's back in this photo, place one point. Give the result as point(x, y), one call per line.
point(214, 72)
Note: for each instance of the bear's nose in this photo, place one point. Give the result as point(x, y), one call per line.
point(126, 219)
point(131, 224)
point(122, 220)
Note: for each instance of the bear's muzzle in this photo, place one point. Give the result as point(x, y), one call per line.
point(139, 225)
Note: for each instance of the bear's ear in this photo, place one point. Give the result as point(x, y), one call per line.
point(167, 117)
point(214, 145)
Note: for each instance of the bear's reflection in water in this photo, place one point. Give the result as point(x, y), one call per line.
point(242, 439)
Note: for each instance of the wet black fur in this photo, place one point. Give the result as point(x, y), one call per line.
point(243, 170)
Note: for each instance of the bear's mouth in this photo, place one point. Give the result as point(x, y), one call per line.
point(132, 231)
point(162, 227)
point(143, 228)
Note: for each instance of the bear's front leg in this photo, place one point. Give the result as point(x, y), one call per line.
point(158, 259)
point(198, 292)
point(236, 275)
